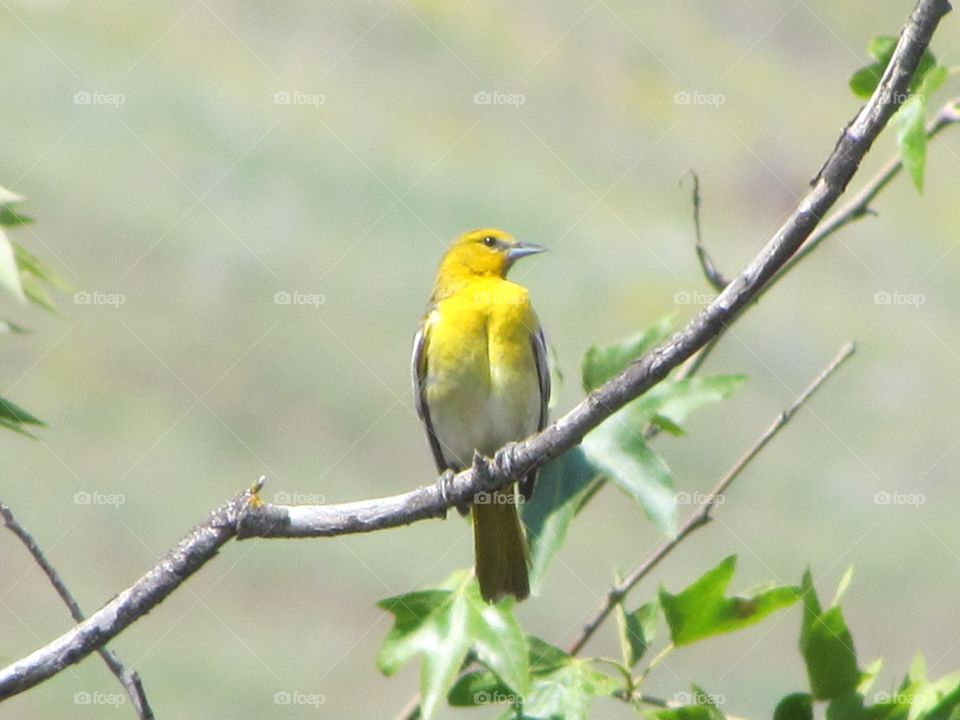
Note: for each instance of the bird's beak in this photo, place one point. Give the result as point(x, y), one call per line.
point(522, 249)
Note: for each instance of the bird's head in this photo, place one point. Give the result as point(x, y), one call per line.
point(483, 253)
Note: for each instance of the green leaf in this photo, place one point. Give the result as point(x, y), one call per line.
point(702, 610)
point(702, 708)
point(36, 292)
point(932, 700)
point(544, 658)
point(675, 400)
point(442, 625)
point(602, 363)
point(637, 630)
point(567, 691)
point(848, 706)
point(32, 264)
point(617, 448)
point(10, 218)
point(7, 327)
point(912, 138)
point(797, 706)
point(7, 197)
point(690, 712)
point(9, 272)
point(827, 647)
point(881, 48)
point(477, 688)
point(13, 417)
point(562, 686)
point(667, 425)
point(865, 80)
point(843, 585)
point(869, 674)
point(561, 486)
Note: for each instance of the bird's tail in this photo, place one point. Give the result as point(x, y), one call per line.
point(500, 546)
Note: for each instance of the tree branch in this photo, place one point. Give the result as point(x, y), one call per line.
point(130, 679)
point(245, 516)
point(701, 516)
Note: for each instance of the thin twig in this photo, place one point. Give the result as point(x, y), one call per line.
point(710, 271)
point(243, 518)
point(701, 516)
point(855, 208)
point(130, 679)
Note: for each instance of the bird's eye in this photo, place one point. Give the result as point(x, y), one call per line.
point(489, 241)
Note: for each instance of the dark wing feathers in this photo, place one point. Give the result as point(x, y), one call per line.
point(539, 345)
point(418, 367)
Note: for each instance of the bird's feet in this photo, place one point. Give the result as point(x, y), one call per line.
point(443, 484)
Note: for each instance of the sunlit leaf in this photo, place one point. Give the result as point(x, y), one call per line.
point(602, 363)
point(14, 417)
point(9, 272)
point(617, 448)
point(560, 489)
point(702, 609)
point(827, 647)
point(637, 630)
point(442, 626)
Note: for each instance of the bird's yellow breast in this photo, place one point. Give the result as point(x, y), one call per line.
point(482, 386)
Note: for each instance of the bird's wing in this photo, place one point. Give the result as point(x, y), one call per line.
point(539, 345)
point(418, 367)
point(543, 375)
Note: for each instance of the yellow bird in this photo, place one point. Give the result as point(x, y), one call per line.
point(481, 381)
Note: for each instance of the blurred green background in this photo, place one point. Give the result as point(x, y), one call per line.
point(220, 153)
